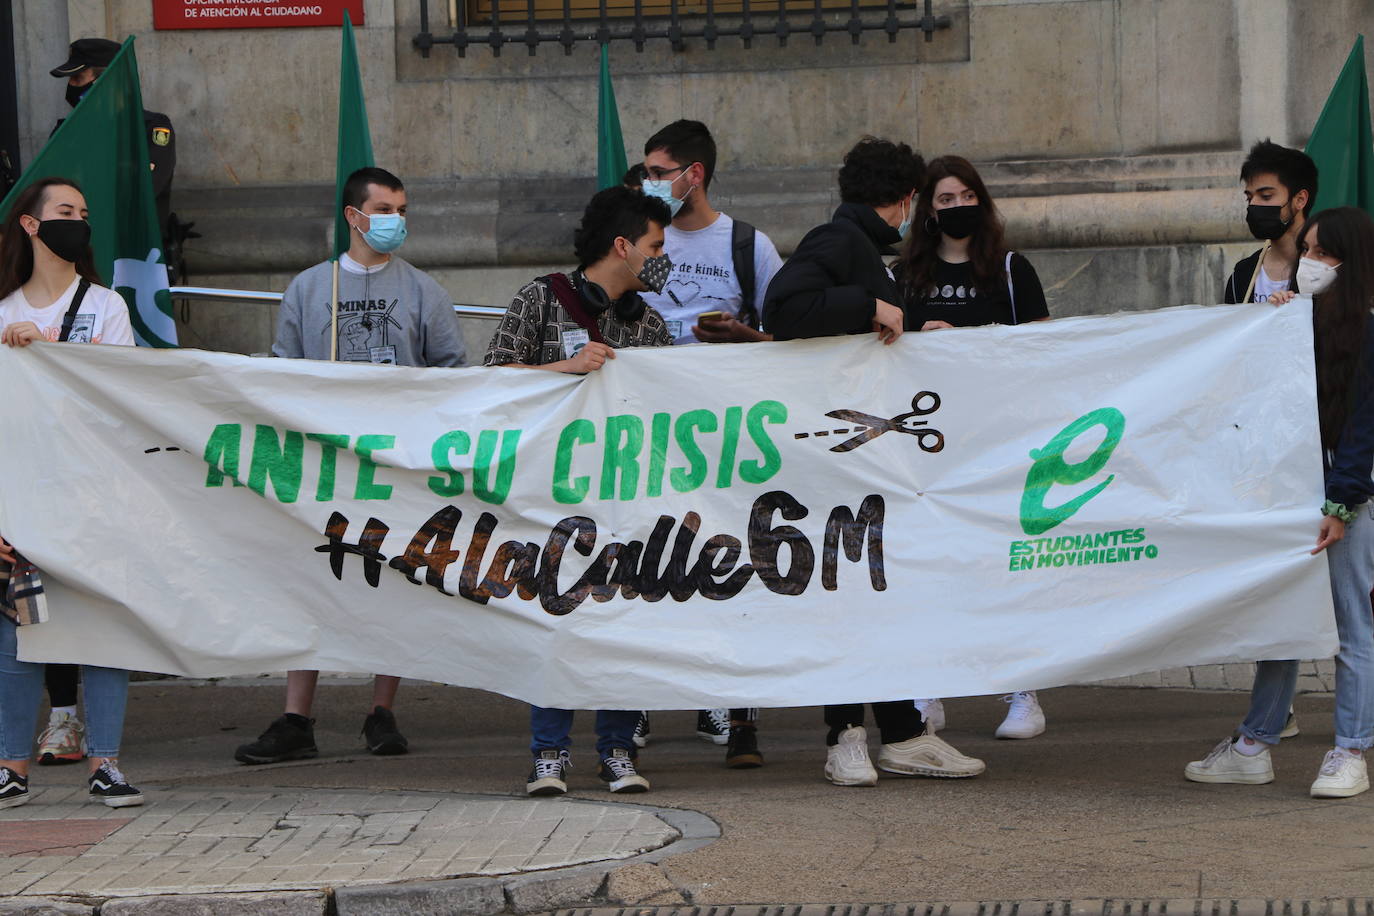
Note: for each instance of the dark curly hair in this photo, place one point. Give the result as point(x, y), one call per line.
point(879, 172)
point(613, 213)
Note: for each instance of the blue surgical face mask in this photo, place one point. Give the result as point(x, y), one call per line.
point(386, 231)
point(905, 227)
point(662, 188)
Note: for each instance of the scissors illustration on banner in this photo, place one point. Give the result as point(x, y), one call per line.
point(870, 427)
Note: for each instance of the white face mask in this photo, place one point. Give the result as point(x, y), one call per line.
point(1314, 276)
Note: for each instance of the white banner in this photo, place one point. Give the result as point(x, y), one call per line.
point(965, 512)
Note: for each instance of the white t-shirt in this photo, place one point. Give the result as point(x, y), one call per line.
point(703, 277)
point(1265, 287)
point(102, 317)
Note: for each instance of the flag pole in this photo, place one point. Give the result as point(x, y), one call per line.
point(334, 315)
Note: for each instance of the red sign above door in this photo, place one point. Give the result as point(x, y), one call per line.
point(253, 14)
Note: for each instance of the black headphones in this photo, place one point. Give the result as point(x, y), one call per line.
point(629, 308)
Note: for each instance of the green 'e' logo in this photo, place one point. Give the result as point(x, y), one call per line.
point(1050, 468)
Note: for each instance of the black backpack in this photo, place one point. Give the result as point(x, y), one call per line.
point(742, 254)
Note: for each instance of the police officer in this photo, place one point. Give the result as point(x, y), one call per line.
point(88, 59)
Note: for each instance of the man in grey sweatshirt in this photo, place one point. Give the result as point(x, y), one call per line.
point(388, 312)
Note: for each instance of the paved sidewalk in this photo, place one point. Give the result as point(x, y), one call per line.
point(199, 841)
point(1094, 814)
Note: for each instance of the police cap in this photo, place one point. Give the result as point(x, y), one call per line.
point(87, 52)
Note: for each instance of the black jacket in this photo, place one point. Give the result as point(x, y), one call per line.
point(830, 284)
point(1239, 281)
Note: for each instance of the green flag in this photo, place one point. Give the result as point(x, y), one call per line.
point(610, 145)
point(355, 140)
point(103, 147)
point(1341, 142)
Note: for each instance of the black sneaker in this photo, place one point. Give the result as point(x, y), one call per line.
point(713, 725)
point(108, 785)
point(283, 740)
point(549, 773)
point(381, 735)
point(742, 753)
point(14, 789)
point(641, 733)
point(619, 773)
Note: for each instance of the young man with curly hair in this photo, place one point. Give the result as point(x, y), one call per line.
point(837, 283)
point(575, 323)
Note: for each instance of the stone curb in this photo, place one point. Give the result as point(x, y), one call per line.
point(523, 893)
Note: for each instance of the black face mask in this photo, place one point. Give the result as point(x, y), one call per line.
point(69, 239)
point(1266, 222)
point(959, 222)
point(74, 93)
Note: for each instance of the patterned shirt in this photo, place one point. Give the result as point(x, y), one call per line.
point(21, 592)
point(531, 332)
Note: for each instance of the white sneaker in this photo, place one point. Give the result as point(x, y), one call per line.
point(1290, 725)
point(847, 763)
point(1025, 718)
point(927, 755)
point(1226, 764)
point(933, 712)
point(1342, 775)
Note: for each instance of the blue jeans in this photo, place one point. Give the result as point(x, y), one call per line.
point(549, 729)
point(21, 692)
point(1351, 561)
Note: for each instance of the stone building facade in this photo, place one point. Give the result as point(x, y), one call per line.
point(1110, 131)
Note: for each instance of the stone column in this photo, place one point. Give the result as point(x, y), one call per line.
point(1262, 31)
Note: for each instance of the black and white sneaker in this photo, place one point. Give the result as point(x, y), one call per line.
point(619, 773)
point(714, 725)
point(641, 733)
point(289, 737)
point(14, 789)
point(109, 786)
point(548, 776)
point(381, 734)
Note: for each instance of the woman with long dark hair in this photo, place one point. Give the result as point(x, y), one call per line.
point(49, 291)
point(956, 272)
point(1336, 268)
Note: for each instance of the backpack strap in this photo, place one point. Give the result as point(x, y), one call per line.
point(70, 318)
point(1011, 289)
point(571, 301)
point(742, 254)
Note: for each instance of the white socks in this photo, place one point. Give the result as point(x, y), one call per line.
point(1249, 747)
